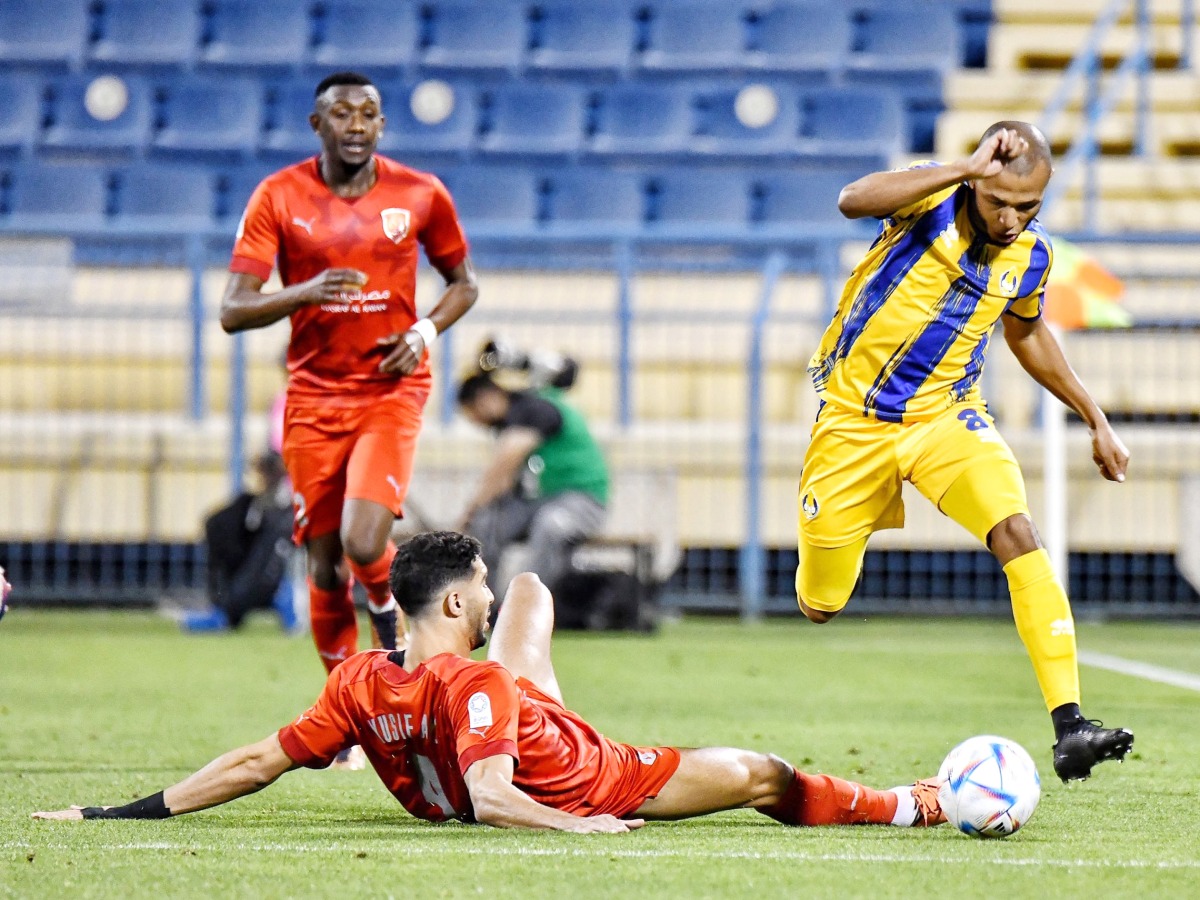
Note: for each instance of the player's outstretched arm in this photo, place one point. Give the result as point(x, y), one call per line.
point(497, 801)
point(245, 306)
point(500, 477)
point(404, 350)
point(1039, 353)
point(882, 194)
point(232, 775)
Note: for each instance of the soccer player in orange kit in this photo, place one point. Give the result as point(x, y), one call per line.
point(343, 229)
point(491, 741)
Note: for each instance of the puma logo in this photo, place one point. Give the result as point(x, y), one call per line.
point(395, 485)
point(307, 226)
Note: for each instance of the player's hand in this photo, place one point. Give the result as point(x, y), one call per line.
point(404, 351)
point(1109, 453)
point(991, 155)
point(605, 825)
point(74, 814)
point(330, 284)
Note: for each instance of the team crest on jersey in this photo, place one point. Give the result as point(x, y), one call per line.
point(1008, 283)
point(395, 223)
point(809, 505)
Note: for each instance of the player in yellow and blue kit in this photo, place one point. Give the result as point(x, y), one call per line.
point(959, 249)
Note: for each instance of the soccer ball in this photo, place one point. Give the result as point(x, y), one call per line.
point(990, 788)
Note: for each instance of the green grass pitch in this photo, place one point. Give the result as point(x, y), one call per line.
point(99, 707)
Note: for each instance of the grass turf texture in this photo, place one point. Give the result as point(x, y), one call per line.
point(104, 708)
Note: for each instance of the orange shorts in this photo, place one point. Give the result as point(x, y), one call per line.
point(362, 451)
point(629, 777)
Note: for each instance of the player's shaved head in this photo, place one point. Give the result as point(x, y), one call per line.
point(426, 564)
point(342, 78)
point(1039, 148)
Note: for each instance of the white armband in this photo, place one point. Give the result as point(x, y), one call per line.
point(427, 330)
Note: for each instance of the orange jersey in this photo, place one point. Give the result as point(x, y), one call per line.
point(296, 222)
point(422, 730)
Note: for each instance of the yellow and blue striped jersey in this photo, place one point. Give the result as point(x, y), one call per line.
point(911, 330)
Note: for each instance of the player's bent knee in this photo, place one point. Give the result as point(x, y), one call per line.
point(817, 616)
point(1013, 537)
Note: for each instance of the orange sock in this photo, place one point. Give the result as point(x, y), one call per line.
point(334, 623)
point(825, 800)
point(374, 577)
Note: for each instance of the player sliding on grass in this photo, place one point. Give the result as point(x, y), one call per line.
point(492, 742)
point(959, 249)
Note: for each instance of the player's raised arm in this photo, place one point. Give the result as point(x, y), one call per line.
point(1039, 353)
point(246, 306)
point(498, 802)
point(232, 775)
point(882, 194)
point(462, 290)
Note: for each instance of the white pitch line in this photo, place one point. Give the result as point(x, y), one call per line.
point(1136, 669)
point(611, 853)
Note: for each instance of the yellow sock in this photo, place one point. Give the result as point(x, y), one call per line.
point(1043, 616)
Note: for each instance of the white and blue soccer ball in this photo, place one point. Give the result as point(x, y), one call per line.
point(991, 786)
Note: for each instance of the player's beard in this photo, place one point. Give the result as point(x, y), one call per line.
point(482, 630)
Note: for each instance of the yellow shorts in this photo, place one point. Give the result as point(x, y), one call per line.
point(854, 467)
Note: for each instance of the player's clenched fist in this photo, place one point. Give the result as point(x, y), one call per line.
point(330, 284)
point(991, 155)
point(605, 825)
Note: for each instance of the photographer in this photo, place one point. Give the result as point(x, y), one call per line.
point(547, 482)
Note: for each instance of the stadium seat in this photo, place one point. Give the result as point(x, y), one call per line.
point(810, 37)
point(533, 119)
point(851, 121)
point(234, 188)
point(405, 133)
point(638, 119)
point(375, 35)
point(471, 36)
point(508, 196)
point(596, 196)
point(23, 117)
point(698, 197)
point(73, 127)
point(695, 36)
point(256, 34)
point(288, 134)
point(801, 198)
point(919, 36)
point(575, 37)
point(46, 32)
point(57, 197)
point(201, 116)
point(146, 33)
point(165, 198)
point(721, 131)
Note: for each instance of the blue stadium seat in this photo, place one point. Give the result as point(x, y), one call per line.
point(209, 116)
point(22, 117)
point(165, 197)
point(534, 119)
point(805, 37)
point(698, 197)
point(288, 135)
point(48, 32)
point(596, 196)
point(851, 122)
point(803, 197)
point(695, 35)
point(916, 36)
point(721, 132)
point(597, 36)
point(407, 134)
point(637, 120)
point(256, 34)
point(72, 127)
point(467, 35)
point(147, 33)
point(58, 197)
point(375, 35)
point(234, 189)
point(508, 196)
